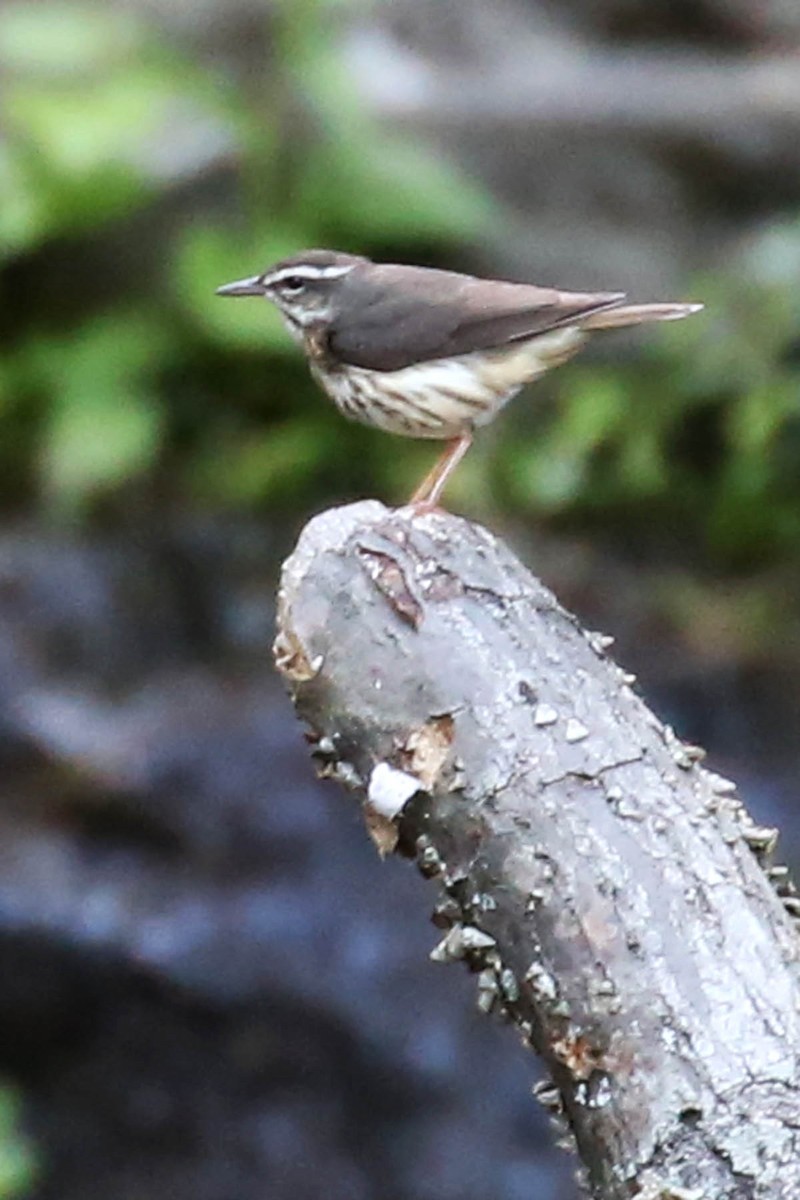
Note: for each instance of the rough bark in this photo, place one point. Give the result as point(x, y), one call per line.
point(613, 895)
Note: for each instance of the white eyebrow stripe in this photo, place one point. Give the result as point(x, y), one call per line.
point(306, 272)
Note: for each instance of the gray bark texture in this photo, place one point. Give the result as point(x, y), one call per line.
point(612, 896)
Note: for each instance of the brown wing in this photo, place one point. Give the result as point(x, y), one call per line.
point(393, 316)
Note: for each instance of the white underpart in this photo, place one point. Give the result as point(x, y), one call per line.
point(447, 396)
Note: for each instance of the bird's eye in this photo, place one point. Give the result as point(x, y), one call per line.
point(293, 284)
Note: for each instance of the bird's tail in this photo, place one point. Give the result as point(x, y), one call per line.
point(636, 314)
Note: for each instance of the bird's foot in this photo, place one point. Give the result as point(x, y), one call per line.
point(421, 508)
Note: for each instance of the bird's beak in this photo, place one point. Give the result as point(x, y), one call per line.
point(243, 287)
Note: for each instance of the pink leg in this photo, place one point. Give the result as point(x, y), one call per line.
point(427, 494)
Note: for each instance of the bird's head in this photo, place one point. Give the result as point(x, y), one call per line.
point(304, 287)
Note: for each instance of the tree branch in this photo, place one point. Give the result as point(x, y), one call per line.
point(612, 894)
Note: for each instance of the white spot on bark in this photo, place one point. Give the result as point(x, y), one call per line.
point(576, 731)
point(545, 714)
point(460, 941)
point(389, 789)
point(719, 785)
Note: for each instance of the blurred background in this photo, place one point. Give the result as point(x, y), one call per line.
point(209, 987)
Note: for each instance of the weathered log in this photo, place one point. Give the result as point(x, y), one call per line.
point(613, 895)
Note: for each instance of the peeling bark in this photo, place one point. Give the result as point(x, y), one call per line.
point(611, 894)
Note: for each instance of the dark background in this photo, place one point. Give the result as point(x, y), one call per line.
point(210, 989)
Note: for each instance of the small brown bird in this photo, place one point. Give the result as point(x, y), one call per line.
point(426, 353)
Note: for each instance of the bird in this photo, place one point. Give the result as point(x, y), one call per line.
point(429, 353)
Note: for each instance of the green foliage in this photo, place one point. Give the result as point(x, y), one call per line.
point(704, 428)
point(103, 423)
point(134, 180)
point(86, 92)
point(121, 360)
point(17, 1164)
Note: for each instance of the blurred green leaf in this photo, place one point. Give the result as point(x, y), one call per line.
point(642, 464)
point(105, 353)
point(103, 422)
point(17, 1160)
point(261, 466)
point(543, 479)
point(95, 442)
point(595, 406)
point(82, 131)
point(594, 410)
point(23, 208)
point(757, 417)
point(96, 114)
point(121, 119)
point(388, 189)
point(53, 204)
point(64, 38)
point(210, 256)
